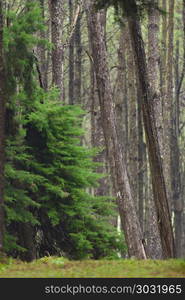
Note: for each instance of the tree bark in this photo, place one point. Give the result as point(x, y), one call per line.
point(132, 117)
point(42, 53)
point(78, 61)
point(159, 189)
point(154, 240)
point(168, 100)
point(175, 144)
point(129, 220)
point(57, 50)
point(71, 57)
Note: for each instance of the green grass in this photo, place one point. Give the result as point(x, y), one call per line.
point(57, 267)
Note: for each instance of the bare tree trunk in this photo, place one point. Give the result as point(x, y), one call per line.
point(119, 174)
point(57, 50)
point(175, 144)
point(2, 129)
point(141, 159)
point(132, 117)
point(159, 189)
point(154, 240)
point(97, 137)
point(78, 61)
point(168, 100)
point(163, 52)
point(42, 52)
point(71, 56)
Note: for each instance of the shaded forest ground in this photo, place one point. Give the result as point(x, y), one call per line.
point(57, 267)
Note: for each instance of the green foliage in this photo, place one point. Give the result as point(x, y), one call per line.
point(48, 172)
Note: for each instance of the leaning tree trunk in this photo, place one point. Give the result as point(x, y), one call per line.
point(159, 189)
point(119, 174)
point(2, 130)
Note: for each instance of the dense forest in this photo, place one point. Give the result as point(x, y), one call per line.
point(92, 99)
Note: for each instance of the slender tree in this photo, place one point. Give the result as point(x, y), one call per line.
point(78, 60)
point(168, 100)
point(119, 174)
point(175, 143)
point(71, 56)
point(159, 189)
point(56, 38)
point(154, 240)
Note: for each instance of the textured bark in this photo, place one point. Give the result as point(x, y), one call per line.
point(132, 117)
point(163, 52)
point(97, 137)
point(141, 159)
point(175, 144)
point(78, 61)
point(42, 53)
point(154, 240)
point(71, 57)
point(56, 38)
point(159, 190)
point(2, 129)
point(121, 95)
point(168, 100)
point(130, 223)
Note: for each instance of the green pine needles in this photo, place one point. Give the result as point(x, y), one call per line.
point(49, 173)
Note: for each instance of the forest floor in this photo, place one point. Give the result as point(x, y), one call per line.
point(58, 267)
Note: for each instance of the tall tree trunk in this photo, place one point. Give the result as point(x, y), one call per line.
point(97, 137)
point(175, 144)
point(168, 100)
point(141, 158)
point(159, 189)
point(78, 61)
point(119, 174)
point(163, 52)
point(132, 117)
point(42, 52)
point(57, 50)
point(154, 240)
point(71, 56)
point(2, 129)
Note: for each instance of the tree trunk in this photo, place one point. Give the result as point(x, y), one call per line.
point(26, 236)
point(78, 61)
point(159, 189)
point(141, 159)
point(132, 117)
point(2, 130)
point(168, 100)
point(42, 52)
point(119, 174)
point(154, 240)
point(71, 57)
point(175, 144)
point(57, 50)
